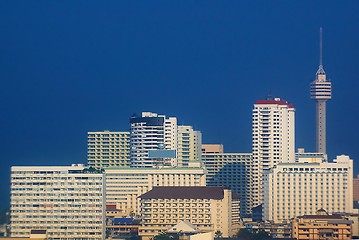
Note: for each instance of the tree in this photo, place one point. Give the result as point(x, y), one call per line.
point(218, 234)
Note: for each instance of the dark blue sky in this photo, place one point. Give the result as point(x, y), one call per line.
point(68, 67)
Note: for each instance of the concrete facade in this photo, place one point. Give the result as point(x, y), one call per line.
point(66, 201)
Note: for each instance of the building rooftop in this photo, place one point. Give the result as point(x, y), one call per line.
point(216, 193)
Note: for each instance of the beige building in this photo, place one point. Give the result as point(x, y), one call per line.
point(210, 209)
point(296, 189)
point(124, 185)
point(321, 226)
point(66, 201)
point(356, 188)
point(230, 170)
point(189, 144)
point(108, 149)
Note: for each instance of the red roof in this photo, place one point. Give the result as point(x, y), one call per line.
point(279, 102)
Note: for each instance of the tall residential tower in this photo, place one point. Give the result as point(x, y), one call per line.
point(321, 91)
point(273, 139)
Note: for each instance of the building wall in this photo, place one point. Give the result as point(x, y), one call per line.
point(108, 149)
point(208, 215)
point(212, 148)
point(188, 146)
point(273, 139)
point(233, 171)
point(124, 185)
point(321, 227)
point(356, 188)
point(65, 201)
point(294, 189)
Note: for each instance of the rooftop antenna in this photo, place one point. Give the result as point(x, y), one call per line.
point(321, 47)
point(321, 69)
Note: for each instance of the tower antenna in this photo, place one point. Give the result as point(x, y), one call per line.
point(321, 47)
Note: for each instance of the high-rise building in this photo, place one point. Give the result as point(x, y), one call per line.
point(210, 209)
point(124, 185)
point(66, 201)
point(188, 145)
point(321, 92)
point(158, 141)
point(108, 149)
point(152, 132)
point(230, 170)
point(301, 188)
point(273, 139)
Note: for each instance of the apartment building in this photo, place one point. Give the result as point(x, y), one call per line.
point(230, 170)
point(188, 145)
point(124, 185)
point(108, 149)
point(296, 189)
point(210, 209)
point(272, 138)
point(66, 201)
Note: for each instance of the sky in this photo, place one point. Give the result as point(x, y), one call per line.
point(69, 67)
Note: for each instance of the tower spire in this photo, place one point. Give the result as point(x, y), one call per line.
point(321, 68)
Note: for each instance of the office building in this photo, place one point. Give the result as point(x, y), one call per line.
point(68, 202)
point(295, 189)
point(321, 92)
point(108, 149)
point(273, 139)
point(230, 170)
point(189, 145)
point(321, 226)
point(210, 209)
point(124, 185)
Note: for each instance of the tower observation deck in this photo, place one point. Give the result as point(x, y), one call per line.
point(321, 91)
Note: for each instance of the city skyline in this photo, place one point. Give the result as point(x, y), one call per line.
point(205, 63)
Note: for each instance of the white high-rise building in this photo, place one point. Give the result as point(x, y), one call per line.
point(301, 188)
point(152, 132)
point(66, 201)
point(124, 185)
point(188, 145)
point(158, 141)
point(108, 149)
point(273, 139)
point(321, 92)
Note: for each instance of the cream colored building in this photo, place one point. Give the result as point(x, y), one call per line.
point(189, 145)
point(321, 226)
point(295, 189)
point(66, 201)
point(108, 149)
point(210, 209)
point(124, 185)
point(230, 170)
point(273, 138)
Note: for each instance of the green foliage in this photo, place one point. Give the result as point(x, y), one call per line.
point(167, 236)
point(244, 234)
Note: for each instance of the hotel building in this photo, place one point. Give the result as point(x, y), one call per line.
point(210, 209)
point(66, 201)
point(188, 145)
point(108, 149)
point(295, 189)
point(272, 139)
point(230, 170)
point(124, 185)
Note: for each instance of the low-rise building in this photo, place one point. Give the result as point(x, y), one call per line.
point(210, 209)
point(124, 185)
point(321, 226)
